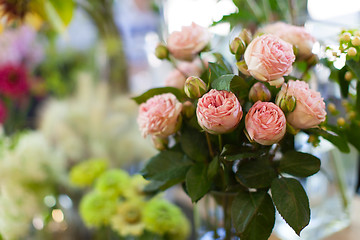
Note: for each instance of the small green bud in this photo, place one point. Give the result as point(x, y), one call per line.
point(194, 87)
point(161, 51)
point(288, 104)
point(160, 143)
point(348, 76)
point(332, 108)
point(237, 47)
point(246, 36)
point(243, 68)
point(352, 52)
point(341, 122)
point(259, 92)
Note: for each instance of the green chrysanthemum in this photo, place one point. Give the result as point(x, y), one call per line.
point(96, 209)
point(128, 218)
point(113, 182)
point(85, 173)
point(164, 218)
point(137, 185)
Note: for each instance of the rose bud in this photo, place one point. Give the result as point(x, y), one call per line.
point(237, 47)
point(160, 143)
point(246, 36)
point(218, 111)
point(194, 87)
point(269, 59)
point(287, 103)
point(309, 111)
point(298, 36)
point(259, 92)
point(161, 51)
point(187, 43)
point(265, 123)
point(160, 115)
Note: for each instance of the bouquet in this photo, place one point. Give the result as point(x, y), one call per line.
point(233, 133)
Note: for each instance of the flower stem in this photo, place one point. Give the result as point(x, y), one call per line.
point(211, 151)
point(338, 169)
point(220, 143)
point(227, 217)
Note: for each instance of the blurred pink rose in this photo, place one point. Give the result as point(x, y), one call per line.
point(159, 115)
point(184, 45)
point(178, 76)
point(218, 111)
point(269, 58)
point(310, 107)
point(265, 123)
point(297, 36)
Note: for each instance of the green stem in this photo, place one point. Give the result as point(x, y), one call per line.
point(292, 9)
point(209, 145)
point(227, 217)
point(220, 143)
point(338, 169)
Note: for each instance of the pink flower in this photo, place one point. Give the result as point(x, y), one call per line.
point(265, 123)
point(13, 81)
point(218, 111)
point(178, 76)
point(184, 45)
point(160, 115)
point(310, 107)
point(269, 58)
point(297, 36)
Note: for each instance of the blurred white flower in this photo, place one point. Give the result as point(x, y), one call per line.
point(92, 123)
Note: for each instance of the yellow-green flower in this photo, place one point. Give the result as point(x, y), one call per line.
point(136, 188)
point(113, 182)
point(162, 217)
point(128, 218)
point(96, 209)
point(84, 173)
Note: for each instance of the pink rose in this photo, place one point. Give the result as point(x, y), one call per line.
point(184, 45)
point(297, 36)
point(218, 111)
point(265, 123)
point(178, 76)
point(269, 58)
point(160, 115)
point(310, 107)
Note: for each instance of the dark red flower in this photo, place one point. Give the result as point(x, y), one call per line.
point(3, 112)
point(13, 81)
point(14, 9)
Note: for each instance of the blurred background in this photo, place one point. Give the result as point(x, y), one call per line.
point(68, 70)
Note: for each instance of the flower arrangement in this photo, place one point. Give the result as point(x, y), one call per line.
point(233, 133)
point(118, 201)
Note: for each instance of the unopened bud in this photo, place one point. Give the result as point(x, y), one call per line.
point(346, 37)
point(161, 51)
point(188, 109)
point(348, 76)
point(340, 121)
point(331, 108)
point(259, 92)
point(295, 50)
point(288, 104)
point(243, 68)
point(160, 143)
point(352, 52)
point(246, 36)
point(237, 47)
point(356, 41)
point(194, 87)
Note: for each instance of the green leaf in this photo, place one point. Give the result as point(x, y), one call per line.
point(214, 167)
point(157, 91)
point(332, 137)
point(217, 70)
point(292, 202)
point(197, 182)
point(355, 67)
point(299, 164)
point(352, 134)
point(253, 215)
point(255, 173)
point(193, 143)
point(167, 168)
point(231, 82)
point(343, 83)
point(242, 155)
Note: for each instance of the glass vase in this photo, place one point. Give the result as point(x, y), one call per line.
point(212, 217)
point(330, 192)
